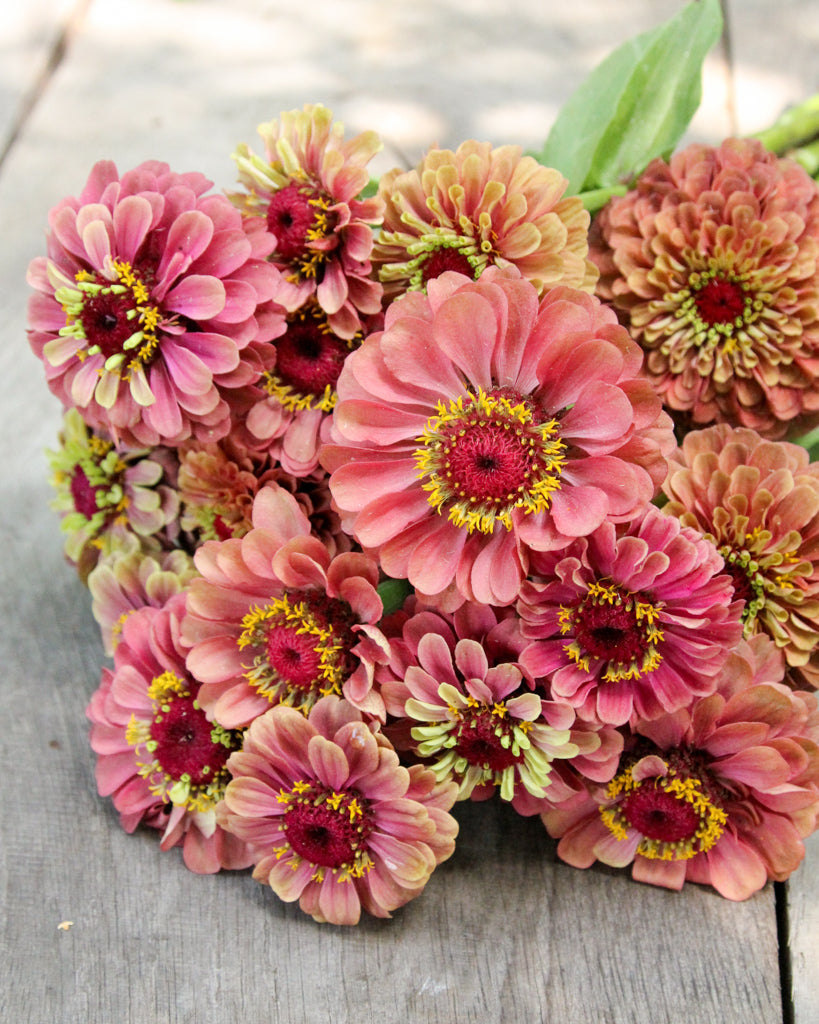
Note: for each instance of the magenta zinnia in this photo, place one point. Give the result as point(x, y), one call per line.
point(276, 619)
point(711, 261)
point(304, 194)
point(159, 758)
point(722, 793)
point(479, 207)
point(481, 424)
point(634, 621)
point(758, 501)
point(148, 303)
point(335, 821)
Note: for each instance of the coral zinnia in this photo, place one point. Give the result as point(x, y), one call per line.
point(721, 793)
point(758, 501)
point(304, 194)
point(477, 207)
point(634, 621)
point(148, 305)
point(480, 424)
point(159, 758)
point(275, 618)
point(713, 263)
point(335, 821)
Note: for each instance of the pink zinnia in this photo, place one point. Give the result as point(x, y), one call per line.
point(481, 424)
point(712, 261)
point(291, 419)
point(629, 621)
point(159, 758)
point(722, 793)
point(304, 196)
point(275, 618)
point(334, 820)
point(149, 305)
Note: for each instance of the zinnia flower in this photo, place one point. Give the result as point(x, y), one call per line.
point(159, 758)
point(711, 261)
point(721, 793)
point(304, 195)
point(479, 207)
point(335, 821)
point(275, 618)
point(629, 621)
point(480, 424)
point(149, 305)
point(292, 418)
point(104, 493)
point(758, 501)
point(132, 577)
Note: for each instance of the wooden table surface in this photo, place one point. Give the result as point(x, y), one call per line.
point(504, 932)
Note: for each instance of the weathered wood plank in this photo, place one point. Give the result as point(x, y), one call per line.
point(504, 931)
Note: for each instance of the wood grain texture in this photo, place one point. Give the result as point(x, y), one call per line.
point(504, 932)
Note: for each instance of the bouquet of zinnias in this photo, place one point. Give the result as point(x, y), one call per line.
point(470, 482)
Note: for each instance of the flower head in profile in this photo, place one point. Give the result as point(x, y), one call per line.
point(334, 820)
point(149, 304)
point(304, 194)
point(482, 424)
point(159, 758)
point(131, 577)
point(274, 618)
point(712, 261)
point(628, 622)
point(721, 793)
point(758, 501)
point(105, 493)
point(479, 207)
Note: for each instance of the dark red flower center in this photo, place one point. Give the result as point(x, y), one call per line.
point(660, 815)
point(720, 301)
point(84, 493)
point(743, 588)
point(297, 216)
point(610, 632)
point(302, 647)
point(445, 258)
point(182, 742)
point(106, 321)
point(293, 655)
point(328, 828)
point(479, 742)
point(309, 357)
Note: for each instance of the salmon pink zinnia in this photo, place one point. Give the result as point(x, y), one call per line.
point(334, 820)
point(482, 424)
point(721, 793)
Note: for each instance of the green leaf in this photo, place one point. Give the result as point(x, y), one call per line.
point(636, 105)
point(393, 593)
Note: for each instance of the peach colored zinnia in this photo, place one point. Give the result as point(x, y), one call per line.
point(275, 618)
point(149, 304)
point(334, 820)
point(712, 262)
point(629, 622)
point(158, 757)
point(482, 423)
point(477, 207)
point(722, 793)
point(304, 195)
point(758, 501)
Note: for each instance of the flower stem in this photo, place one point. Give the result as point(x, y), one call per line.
point(798, 125)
